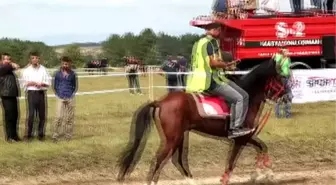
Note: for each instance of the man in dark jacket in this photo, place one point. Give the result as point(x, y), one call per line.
point(171, 66)
point(9, 92)
point(183, 63)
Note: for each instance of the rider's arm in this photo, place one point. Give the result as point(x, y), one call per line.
point(216, 63)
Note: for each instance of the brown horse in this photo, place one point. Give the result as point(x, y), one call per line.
point(177, 114)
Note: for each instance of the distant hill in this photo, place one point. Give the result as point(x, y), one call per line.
point(85, 44)
point(86, 48)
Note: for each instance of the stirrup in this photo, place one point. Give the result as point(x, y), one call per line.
point(239, 132)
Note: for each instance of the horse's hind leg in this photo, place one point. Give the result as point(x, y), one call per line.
point(162, 157)
point(180, 156)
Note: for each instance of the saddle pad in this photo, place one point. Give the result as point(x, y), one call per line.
point(211, 106)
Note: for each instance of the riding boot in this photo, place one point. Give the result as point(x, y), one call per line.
point(237, 131)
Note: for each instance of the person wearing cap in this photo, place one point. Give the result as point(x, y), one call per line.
point(207, 64)
point(283, 62)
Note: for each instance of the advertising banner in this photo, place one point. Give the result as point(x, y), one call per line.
point(314, 85)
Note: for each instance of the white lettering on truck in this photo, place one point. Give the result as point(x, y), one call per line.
point(283, 30)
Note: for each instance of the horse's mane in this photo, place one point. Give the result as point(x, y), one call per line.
point(258, 76)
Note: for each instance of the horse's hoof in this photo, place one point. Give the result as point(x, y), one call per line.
point(151, 183)
point(190, 181)
point(225, 179)
point(120, 179)
point(269, 174)
point(258, 175)
point(267, 161)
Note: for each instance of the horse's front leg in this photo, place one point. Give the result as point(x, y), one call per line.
point(263, 161)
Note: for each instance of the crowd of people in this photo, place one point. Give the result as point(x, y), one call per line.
point(36, 80)
point(171, 66)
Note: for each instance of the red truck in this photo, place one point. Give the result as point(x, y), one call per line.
point(309, 36)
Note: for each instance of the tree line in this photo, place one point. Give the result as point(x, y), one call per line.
point(150, 47)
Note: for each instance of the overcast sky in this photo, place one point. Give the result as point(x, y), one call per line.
point(64, 21)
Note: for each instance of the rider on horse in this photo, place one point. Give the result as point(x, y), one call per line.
point(207, 64)
point(283, 62)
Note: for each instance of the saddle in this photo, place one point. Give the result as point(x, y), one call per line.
point(211, 106)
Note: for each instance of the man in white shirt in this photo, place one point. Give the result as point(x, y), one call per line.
point(36, 81)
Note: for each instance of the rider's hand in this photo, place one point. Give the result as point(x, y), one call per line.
point(237, 61)
point(233, 67)
point(15, 66)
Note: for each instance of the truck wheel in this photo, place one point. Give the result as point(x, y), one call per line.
point(299, 65)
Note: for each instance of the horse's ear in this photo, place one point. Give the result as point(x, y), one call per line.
point(272, 65)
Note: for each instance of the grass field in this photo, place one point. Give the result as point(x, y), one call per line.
point(102, 129)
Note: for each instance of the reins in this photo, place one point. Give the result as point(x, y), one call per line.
point(278, 88)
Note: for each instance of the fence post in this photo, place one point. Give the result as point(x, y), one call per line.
point(150, 84)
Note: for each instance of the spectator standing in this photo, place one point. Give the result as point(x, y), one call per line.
point(36, 81)
point(9, 92)
point(65, 86)
point(296, 5)
point(171, 66)
point(183, 69)
point(330, 5)
point(132, 68)
point(283, 62)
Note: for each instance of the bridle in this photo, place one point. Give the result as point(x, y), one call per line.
point(273, 85)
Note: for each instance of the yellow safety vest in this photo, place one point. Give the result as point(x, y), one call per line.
point(202, 75)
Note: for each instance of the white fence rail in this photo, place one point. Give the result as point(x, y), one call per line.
point(308, 85)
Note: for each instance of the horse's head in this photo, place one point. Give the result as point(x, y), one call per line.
point(274, 88)
point(264, 79)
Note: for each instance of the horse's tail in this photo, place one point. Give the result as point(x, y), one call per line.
point(140, 128)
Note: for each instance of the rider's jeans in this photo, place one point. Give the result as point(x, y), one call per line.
point(238, 99)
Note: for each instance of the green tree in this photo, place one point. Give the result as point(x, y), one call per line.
point(146, 40)
point(114, 50)
point(73, 51)
point(19, 50)
point(153, 56)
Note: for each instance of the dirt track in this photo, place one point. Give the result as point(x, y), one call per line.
point(312, 177)
point(326, 177)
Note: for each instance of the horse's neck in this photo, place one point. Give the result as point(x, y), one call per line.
point(254, 108)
